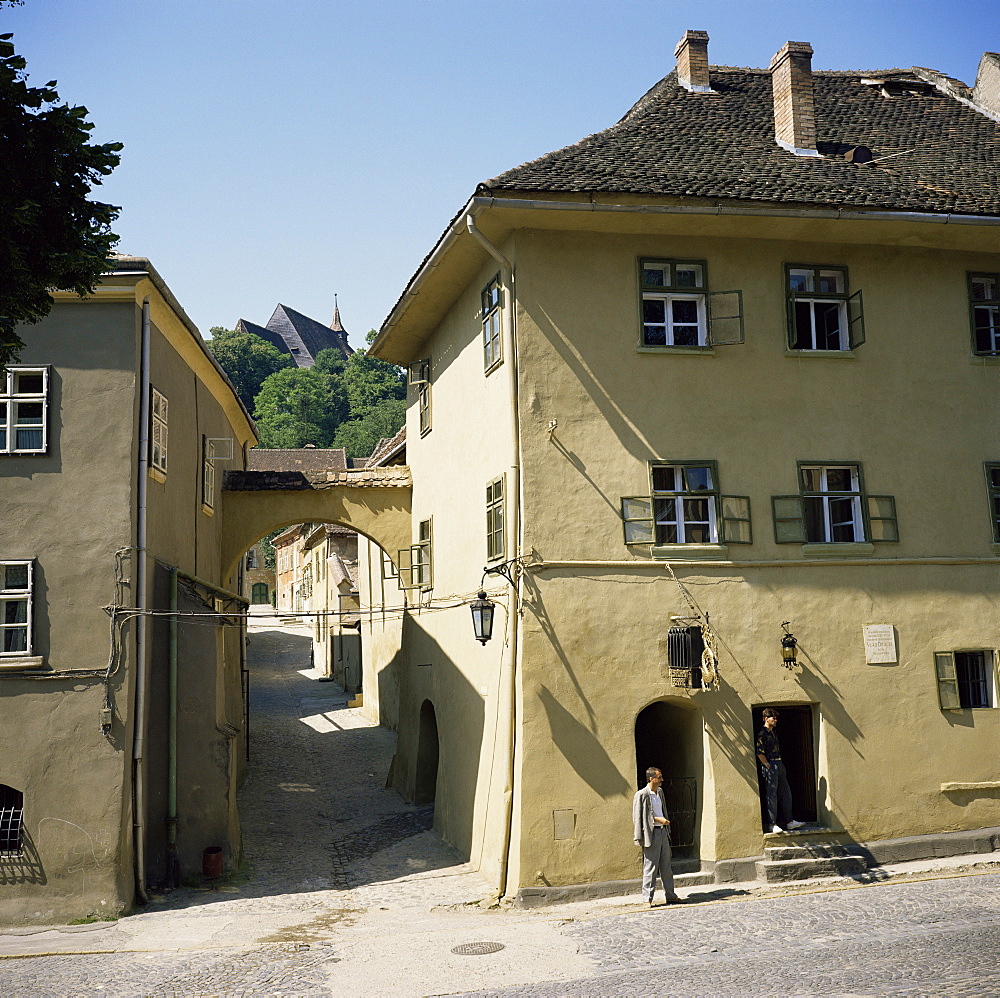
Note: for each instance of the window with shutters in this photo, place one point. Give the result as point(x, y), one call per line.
point(984, 311)
point(832, 507)
point(24, 410)
point(822, 315)
point(678, 310)
point(416, 563)
point(966, 679)
point(685, 506)
point(492, 298)
point(420, 382)
point(207, 474)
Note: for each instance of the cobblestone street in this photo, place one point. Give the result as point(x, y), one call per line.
point(347, 891)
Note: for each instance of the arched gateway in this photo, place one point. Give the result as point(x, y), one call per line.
point(373, 501)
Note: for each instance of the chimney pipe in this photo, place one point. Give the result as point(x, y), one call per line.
point(794, 116)
point(692, 62)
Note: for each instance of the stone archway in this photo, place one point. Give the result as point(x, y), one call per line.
point(375, 502)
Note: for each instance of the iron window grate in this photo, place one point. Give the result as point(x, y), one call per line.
point(11, 823)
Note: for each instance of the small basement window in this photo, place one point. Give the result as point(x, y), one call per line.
point(11, 820)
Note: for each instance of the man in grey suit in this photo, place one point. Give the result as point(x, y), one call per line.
point(651, 828)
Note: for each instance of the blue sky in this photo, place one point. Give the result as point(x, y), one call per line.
point(285, 150)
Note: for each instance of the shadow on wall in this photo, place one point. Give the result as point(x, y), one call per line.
point(24, 867)
point(440, 733)
point(582, 749)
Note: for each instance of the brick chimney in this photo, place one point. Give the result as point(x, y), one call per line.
point(986, 92)
point(791, 81)
point(692, 62)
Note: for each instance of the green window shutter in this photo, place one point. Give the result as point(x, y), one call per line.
point(855, 320)
point(882, 526)
point(637, 519)
point(735, 519)
point(725, 318)
point(790, 318)
point(789, 519)
point(947, 680)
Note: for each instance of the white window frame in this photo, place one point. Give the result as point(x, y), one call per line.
point(17, 595)
point(827, 498)
point(10, 402)
point(496, 532)
point(680, 521)
point(420, 381)
point(850, 320)
point(158, 428)
point(669, 292)
point(989, 305)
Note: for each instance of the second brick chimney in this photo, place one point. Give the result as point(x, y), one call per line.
point(692, 62)
point(791, 81)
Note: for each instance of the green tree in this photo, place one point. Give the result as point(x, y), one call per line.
point(330, 361)
point(359, 436)
point(51, 234)
point(247, 360)
point(369, 382)
point(298, 406)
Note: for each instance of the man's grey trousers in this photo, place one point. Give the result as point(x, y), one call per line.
point(656, 863)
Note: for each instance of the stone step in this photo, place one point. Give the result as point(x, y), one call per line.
point(693, 879)
point(807, 850)
point(784, 870)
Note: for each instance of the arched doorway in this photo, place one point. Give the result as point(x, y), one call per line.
point(425, 784)
point(669, 737)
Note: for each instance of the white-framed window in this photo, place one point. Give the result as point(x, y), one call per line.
point(832, 507)
point(684, 506)
point(679, 311)
point(24, 410)
point(492, 298)
point(966, 679)
point(16, 580)
point(673, 304)
point(158, 431)
point(984, 310)
point(420, 381)
point(208, 473)
point(495, 540)
point(821, 313)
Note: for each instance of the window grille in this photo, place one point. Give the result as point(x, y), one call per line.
point(685, 645)
point(11, 819)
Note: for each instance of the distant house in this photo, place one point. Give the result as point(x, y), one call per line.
point(120, 748)
point(298, 335)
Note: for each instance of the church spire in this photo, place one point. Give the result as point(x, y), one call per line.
point(336, 325)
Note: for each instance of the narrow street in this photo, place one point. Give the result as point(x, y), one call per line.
point(347, 891)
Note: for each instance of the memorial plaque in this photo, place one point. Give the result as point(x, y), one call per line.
point(880, 644)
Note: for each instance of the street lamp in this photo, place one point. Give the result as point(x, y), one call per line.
point(482, 617)
point(788, 646)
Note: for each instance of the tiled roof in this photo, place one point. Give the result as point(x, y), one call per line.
point(243, 326)
point(300, 459)
point(945, 153)
point(388, 448)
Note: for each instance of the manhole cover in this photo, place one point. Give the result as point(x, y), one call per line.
point(477, 949)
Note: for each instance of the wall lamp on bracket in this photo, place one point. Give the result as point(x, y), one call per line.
point(788, 645)
point(482, 617)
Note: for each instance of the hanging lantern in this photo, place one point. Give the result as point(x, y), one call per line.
point(482, 617)
point(788, 646)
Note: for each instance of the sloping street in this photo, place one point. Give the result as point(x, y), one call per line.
point(347, 891)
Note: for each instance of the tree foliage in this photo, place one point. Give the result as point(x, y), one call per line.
point(369, 382)
point(359, 436)
point(247, 359)
point(298, 406)
point(51, 234)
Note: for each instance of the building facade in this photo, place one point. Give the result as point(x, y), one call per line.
point(722, 374)
point(120, 746)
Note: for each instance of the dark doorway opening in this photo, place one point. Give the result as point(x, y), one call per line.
point(669, 737)
point(798, 753)
point(425, 785)
point(259, 593)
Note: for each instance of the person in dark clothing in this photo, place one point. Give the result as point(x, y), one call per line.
point(779, 794)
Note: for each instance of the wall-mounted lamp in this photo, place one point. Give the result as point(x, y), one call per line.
point(788, 646)
point(482, 617)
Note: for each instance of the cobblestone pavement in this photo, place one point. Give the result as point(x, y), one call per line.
point(939, 937)
point(349, 892)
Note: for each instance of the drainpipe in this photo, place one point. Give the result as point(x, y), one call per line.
point(513, 618)
point(142, 626)
point(173, 866)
